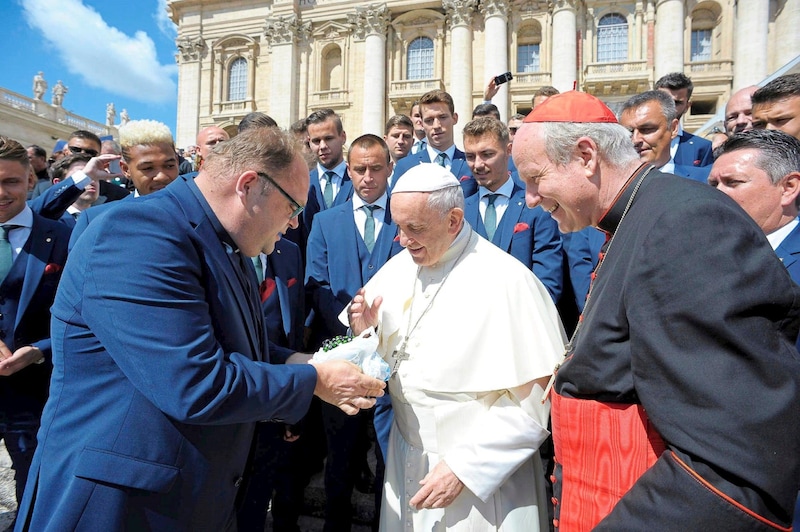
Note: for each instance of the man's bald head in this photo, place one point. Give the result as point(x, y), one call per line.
point(738, 111)
point(209, 137)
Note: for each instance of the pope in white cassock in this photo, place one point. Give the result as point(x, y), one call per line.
point(472, 337)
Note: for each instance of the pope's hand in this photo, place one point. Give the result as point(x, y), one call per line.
point(343, 384)
point(361, 314)
point(439, 489)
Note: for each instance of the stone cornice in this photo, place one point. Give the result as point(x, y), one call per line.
point(370, 20)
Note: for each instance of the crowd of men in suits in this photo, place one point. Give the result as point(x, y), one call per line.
point(345, 234)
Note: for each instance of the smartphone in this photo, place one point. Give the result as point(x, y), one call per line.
point(502, 78)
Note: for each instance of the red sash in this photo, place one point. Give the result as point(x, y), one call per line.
point(602, 448)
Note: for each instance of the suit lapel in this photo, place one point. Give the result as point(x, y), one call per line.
point(472, 209)
point(35, 254)
point(282, 287)
point(383, 244)
point(789, 250)
point(505, 230)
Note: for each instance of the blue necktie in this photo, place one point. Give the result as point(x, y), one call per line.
point(6, 252)
point(441, 160)
point(327, 194)
point(369, 226)
point(490, 217)
point(259, 268)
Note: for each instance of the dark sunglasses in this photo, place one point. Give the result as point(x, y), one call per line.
point(87, 151)
point(296, 206)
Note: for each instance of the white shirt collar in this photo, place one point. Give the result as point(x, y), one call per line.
point(504, 190)
point(433, 152)
point(338, 170)
point(777, 237)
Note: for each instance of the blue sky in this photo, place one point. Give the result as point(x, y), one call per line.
point(103, 51)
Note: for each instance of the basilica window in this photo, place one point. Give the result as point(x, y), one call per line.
point(420, 59)
point(237, 80)
point(332, 76)
point(612, 39)
point(704, 19)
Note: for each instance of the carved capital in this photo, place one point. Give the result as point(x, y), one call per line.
point(370, 20)
point(459, 12)
point(190, 48)
point(495, 8)
point(286, 29)
point(561, 5)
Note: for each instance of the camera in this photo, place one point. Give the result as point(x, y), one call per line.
point(502, 78)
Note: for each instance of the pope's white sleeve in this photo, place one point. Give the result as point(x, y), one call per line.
point(502, 438)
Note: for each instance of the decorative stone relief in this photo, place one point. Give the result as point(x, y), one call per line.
point(495, 8)
point(286, 29)
point(370, 20)
point(190, 48)
point(459, 12)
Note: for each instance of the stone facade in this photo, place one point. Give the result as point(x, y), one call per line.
point(369, 61)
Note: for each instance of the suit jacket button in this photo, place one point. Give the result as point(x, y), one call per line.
point(371, 266)
point(238, 482)
point(1, 315)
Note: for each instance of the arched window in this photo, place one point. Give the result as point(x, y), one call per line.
point(704, 19)
point(420, 59)
point(237, 80)
point(612, 39)
point(332, 78)
point(529, 38)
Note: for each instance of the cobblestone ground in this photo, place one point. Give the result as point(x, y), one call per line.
point(8, 503)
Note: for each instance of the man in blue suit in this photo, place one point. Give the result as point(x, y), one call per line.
point(653, 123)
point(148, 160)
point(685, 149)
point(347, 246)
point(438, 119)
point(161, 366)
point(498, 211)
point(32, 254)
point(330, 183)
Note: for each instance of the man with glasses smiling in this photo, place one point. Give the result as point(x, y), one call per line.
point(161, 362)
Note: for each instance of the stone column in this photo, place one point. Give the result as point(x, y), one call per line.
point(191, 51)
point(459, 17)
point(787, 34)
point(750, 62)
point(638, 33)
point(282, 34)
point(495, 49)
point(370, 23)
point(565, 45)
point(669, 54)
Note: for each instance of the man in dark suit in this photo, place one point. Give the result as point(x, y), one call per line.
point(347, 246)
point(653, 123)
point(686, 149)
point(148, 161)
point(438, 120)
point(32, 254)
point(498, 211)
point(760, 170)
point(161, 364)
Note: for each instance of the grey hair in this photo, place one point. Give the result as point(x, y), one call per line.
point(778, 152)
point(664, 100)
point(446, 199)
point(613, 141)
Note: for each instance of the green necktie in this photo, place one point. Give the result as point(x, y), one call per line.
point(441, 159)
point(490, 217)
point(327, 194)
point(259, 268)
point(369, 226)
point(6, 252)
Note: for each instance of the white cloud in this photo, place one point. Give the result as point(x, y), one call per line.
point(163, 21)
point(102, 55)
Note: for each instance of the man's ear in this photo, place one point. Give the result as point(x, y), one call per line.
point(246, 184)
point(674, 128)
point(587, 152)
point(126, 170)
point(790, 185)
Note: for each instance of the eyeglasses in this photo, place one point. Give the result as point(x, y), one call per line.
point(87, 151)
point(296, 206)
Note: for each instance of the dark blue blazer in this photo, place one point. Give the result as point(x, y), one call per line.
point(54, 201)
point(458, 168)
point(693, 151)
point(582, 249)
point(338, 264)
point(160, 371)
point(282, 300)
point(789, 253)
point(530, 235)
point(697, 173)
point(26, 295)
